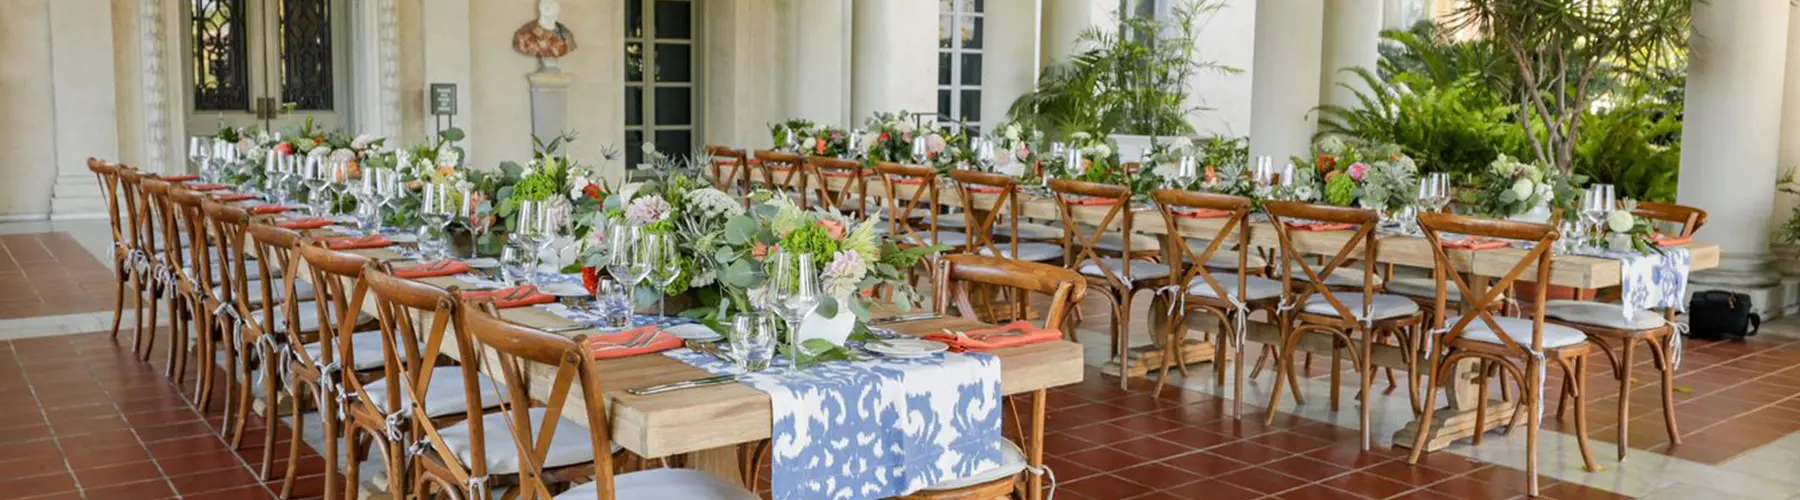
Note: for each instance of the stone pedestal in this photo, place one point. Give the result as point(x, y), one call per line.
point(549, 103)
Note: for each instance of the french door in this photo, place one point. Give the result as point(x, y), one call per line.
point(661, 104)
point(269, 63)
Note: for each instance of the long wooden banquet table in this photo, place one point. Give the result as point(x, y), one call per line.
point(1571, 271)
point(707, 424)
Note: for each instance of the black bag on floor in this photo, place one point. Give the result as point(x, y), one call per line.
point(1721, 315)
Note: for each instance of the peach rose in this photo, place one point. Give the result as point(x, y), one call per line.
point(834, 228)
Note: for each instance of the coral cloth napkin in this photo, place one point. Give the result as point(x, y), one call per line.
point(181, 178)
point(1320, 226)
point(1015, 334)
point(614, 345)
point(304, 223)
point(231, 197)
point(269, 209)
point(1093, 201)
point(907, 180)
point(444, 267)
point(1200, 213)
point(205, 187)
point(518, 296)
point(843, 173)
point(986, 189)
point(357, 242)
point(1476, 243)
point(1670, 241)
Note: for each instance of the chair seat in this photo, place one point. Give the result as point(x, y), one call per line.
point(1255, 287)
point(302, 291)
point(569, 445)
point(1602, 315)
point(1114, 242)
point(250, 270)
point(1346, 277)
point(951, 238)
point(1519, 330)
point(445, 396)
point(1226, 258)
point(366, 346)
point(309, 317)
point(1029, 231)
point(663, 484)
point(1012, 462)
point(1140, 270)
point(1033, 252)
point(1383, 306)
point(881, 212)
point(1422, 287)
point(953, 221)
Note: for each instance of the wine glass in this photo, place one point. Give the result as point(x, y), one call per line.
point(479, 224)
point(668, 267)
point(1187, 171)
point(631, 256)
point(199, 150)
point(753, 340)
point(613, 302)
point(368, 194)
point(1434, 191)
point(920, 154)
point(437, 209)
point(1594, 208)
point(796, 285)
point(984, 154)
point(337, 180)
point(530, 232)
point(1072, 162)
point(791, 139)
point(315, 178)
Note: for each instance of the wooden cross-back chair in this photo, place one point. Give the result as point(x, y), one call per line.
point(239, 329)
point(274, 329)
point(196, 285)
point(184, 304)
point(853, 199)
point(165, 252)
point(527, 357)
point(1117, 278)
point(435, 401)
point(784, 173)
point(984, 218)
point(1520, 347)
point(139, 265)
point(1230, 295)
point(1607, 327)
point(107, 175)
point(730, 168)
point(912, 193)
point(1352, 319)
point(337, 355)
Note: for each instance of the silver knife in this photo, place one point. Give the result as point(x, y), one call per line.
point(906, 317)
point(566, 329)
point(685, 384)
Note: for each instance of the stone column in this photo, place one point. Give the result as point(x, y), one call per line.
point(895, 63)
point(819, 69)
point(1063, 22)
point(1284, 74)
point(1732, 138)
point(1009, 66)
point(1789, 155)
point(1352, 39)
point(86, 106)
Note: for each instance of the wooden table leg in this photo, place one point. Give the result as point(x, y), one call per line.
point(721, 463)
point(1457, 421)
point(1034, 446)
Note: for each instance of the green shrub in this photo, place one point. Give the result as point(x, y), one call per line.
point(1456, 128)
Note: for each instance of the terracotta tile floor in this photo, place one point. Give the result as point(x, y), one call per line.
point(44, 274)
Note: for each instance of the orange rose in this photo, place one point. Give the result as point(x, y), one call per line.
point(760, 251)
point(1327, 162)
point(834, 228)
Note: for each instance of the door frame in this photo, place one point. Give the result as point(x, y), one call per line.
point(374, 97)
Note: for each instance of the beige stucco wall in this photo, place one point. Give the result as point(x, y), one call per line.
point(27, 116)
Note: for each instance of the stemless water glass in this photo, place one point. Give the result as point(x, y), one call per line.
point(796, 285)
point(753, 340)
point(612, 301)
point(437, 209)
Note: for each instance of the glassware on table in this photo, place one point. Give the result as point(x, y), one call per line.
point(667, 268)
point(920, 153)
point(630, 261)
point(1434, 191)
point(1187, 171)
point(513, 265)
point(531, 230)
point(199, 150)
point(315, 176)
point(1263, 173)
point(612, 302)
point(753, 340)
point(791, 140)
point(437, 208)
point(985, 158)
point(796, 293)
point(337, 181)
point(1596, 203)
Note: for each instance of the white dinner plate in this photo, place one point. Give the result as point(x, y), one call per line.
point(695, 332)
point(906, 348)
point(565, 290)
point(481, 263)
point(403, 238)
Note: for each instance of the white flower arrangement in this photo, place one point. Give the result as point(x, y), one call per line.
point(648, 210)
point(714, 203)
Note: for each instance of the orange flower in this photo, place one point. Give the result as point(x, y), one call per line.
point(834, 228)
point(821, 147)
point(1212, 175)
point(761, 251)
point(446, 170)
point(1327, 162)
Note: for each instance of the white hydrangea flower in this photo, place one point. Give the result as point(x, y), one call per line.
point(1012, 132)
point(577, 184)
point(904, 127)
point(343, 155)
point(1079, 136)
point(319, 152)
point(809, 144)
point(449, 158)
point(362, 142)
point(1620, 221)
point(1099, 151)
point(1523, 188)
point(714, 203)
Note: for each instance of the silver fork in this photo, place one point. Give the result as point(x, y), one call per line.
point(640, 340)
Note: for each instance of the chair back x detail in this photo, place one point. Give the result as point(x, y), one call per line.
point(911, 189)
point(1362, 239)
point(823, 169)
point(730, 169)
point(784, 173)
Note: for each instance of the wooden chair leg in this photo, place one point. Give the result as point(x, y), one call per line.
point(1664, 355)
point(354, 454)
point(1122, 339)
point(149, 340)
point(272, 414)
point(1579, 374)
point(1365, 373)
point(118, 297)
point(1626, 358)
point(1481, 399)
point(295, 435)
point(1337, 369)
point(1438, 371)
point(1170, 351)
point(1532, 424)
point(177, 340)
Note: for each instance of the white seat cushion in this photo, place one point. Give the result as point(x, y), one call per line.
point(1029, 231)
point(302, 291)
point(446, 392)
point(881, 211)
point(923, 236)
point(250, 270)
point(1112, 242)
point(1384, 306)
point(1140, 270)
point(1423, 287)
point(1341, 277)
point(1033, 252)
point(1012, 462)
point(953, 221)
point(365, 345)
point(1519, 330)
point(663, 484)
point(309, 316)
point(569, 445)
point(1602, 314)
point(1256, 287)
point(1226, 258)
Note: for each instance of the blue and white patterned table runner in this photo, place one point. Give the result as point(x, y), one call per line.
point(1650, 281)
point(878, 427)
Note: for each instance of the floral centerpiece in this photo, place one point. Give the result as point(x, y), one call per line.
point(894, 135)
point(1623, 231)
point(1018, 144)
point(252, 144)
point(828, 141)
point(1352, 172)
point(1099, 163)
point(1511, 188)
point(800, 129)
